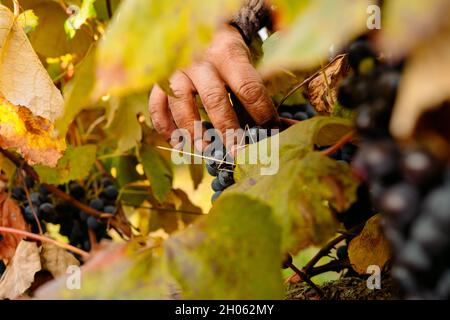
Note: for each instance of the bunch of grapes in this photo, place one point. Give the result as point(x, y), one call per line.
point(406, 182)
point(74, 223)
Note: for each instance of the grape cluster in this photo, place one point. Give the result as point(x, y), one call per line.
point(220, 163)
point(74, 223)
point(406, 182)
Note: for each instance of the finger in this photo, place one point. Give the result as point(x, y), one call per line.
point(246, 83)
point(215, 98)
point(183, 106)
point(160, 113)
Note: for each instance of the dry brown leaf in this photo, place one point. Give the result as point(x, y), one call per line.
point(425, 83)
point(322, 91)
point(11, 217)
point(23, 79)
point(370, 247)
point(32, 136)
point(56, 260)
point(19, 275)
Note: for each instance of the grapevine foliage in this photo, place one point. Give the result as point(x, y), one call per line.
point(363, 154)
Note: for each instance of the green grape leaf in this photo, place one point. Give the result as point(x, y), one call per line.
point(308, 187)
point(318, 26)
point(133, 56)
point(158, 171)
point(75, 164)
point(125, 127)
point(76, 94)
point(74, 22)
point(246, 237)
point(187, 265)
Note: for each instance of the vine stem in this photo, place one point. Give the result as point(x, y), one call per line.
point(339, 144)
point(64, 196)
point(30, 203)
point(42, 238)
point(304, 277)
point(16, 8)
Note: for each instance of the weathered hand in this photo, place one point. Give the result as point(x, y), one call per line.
point(226, 63)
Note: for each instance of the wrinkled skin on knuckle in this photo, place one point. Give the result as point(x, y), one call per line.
point(213, 99)
point(251, 92)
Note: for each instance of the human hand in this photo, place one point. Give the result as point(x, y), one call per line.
point(225, 64)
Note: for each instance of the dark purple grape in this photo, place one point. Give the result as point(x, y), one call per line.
point(2, 267)
point(300, 116)
point(35, 198)
point(420, 168)
point(48, 213)
point(76, 190)
point(437, 205)
point(83, 216)
point(97, 204)
point(286, 115)
point(106, 182)
point(93, 223)
point(310, 111)
point(353, 92)
point(18, 193)
point(216, 186)
point(111, 193)
point(225, 178)
point(400, 203)
point(212, 168)
point(28, 213)
point(381, 159)
point(110, 209)
point(414, 257)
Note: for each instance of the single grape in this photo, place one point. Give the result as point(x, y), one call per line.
point(353, 92)
point(287, 115)
point(43, 191)
point(420, 168)
point(18, 193)
point(93, 223)
point(211, 168)
point(429, 235)
point(111, 193)
point(386, 86)
point(414, 257)
point(83, 216)
point(97, 204)
point(76, 190)
point(106, 182)
point(348, 151)
point(216, 186)
point(400, 203)
point(110, 209)
point(48, 213)
point(225, 178)
point(86, 245)
point(381, 159)
point(28, 213)
point(437, 205)
point(310, 111)
point(35, 198)
point(300, 116)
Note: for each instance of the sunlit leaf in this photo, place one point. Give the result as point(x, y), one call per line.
point(74, 22)
point(134, 56)
point(75, 164)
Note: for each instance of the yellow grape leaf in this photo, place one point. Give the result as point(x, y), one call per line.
point(370, 247)
point(148, 40)
point(406, 23)
point(56, 260)
point(318, 26)
point(32, 136)
point(23, 79)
